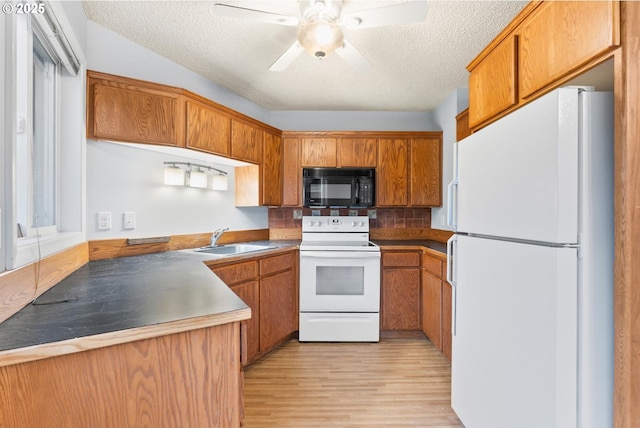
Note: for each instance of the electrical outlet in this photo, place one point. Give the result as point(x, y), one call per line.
point(373, 214)
point(297, 214)
point(128, 220)
point(104, 220)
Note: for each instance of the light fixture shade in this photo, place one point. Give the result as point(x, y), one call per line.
point(173, 176)
point(219, 182)
point(320, 38)
point(197, 179)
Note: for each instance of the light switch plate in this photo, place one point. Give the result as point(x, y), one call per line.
point(128, 220)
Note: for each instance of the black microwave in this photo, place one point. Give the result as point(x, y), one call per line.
point(338, 187)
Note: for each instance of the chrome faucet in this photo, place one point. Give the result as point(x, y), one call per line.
point(217, 234)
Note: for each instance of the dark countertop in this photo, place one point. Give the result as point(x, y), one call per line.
point(426, 243)
point(120, 297)
point(132, 298)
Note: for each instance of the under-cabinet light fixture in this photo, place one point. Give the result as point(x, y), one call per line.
point(196, 175)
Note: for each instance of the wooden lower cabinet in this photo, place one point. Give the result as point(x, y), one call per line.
point(432, 308)
point(277, 309)
point(400, 294)
point(249, 293)
point(269, 286)
point(187, 379)
point(436, 303)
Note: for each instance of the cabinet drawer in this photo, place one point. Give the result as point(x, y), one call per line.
point(432, 265)
point(400, 258)
point(237, 273)
point(276, 264)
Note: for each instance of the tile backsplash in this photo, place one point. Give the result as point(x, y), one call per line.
point(386, 218)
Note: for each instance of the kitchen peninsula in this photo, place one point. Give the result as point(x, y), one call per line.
point(150, 340)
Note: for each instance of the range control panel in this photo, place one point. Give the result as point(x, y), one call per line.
point(335, 224)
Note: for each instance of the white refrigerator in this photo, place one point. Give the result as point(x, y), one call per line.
point(531, 266)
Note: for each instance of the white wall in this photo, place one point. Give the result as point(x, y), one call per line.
point(111, 53)
point(353, 121)
point(445, 117)
point(125, 179)
point(121, 178)
point(162, 210)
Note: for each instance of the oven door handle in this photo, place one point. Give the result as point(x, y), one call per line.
point(340, 254)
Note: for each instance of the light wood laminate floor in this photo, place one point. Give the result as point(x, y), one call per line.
point(397, 382)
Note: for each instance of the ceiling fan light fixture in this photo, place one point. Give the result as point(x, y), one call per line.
point(320, 38)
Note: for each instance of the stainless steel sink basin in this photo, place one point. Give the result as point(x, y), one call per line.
point(232, 249)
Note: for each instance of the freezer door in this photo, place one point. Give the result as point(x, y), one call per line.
point(515, 342)
point(518, 177)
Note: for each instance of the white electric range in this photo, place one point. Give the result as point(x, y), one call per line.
point(339, 280)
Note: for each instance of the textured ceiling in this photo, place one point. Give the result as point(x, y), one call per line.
point(415, 66)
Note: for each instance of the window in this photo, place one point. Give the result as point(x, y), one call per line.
point(37, 165)
point(42, 211)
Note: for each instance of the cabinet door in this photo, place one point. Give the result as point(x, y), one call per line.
point(400, 303)
point(277, 309)
point(392, 174)
point(272, 170)
point(432, 308)
point(133, 114)
point(447, 312)
point(292, 173)
point(207, 129)
point(248, 292)
point(318, 152)
point(246, 141)
point(357, 152)
point(426, 172)
point(562, 36)
point(492, 83)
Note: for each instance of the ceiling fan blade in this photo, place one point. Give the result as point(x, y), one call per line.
point(403, 13)
point(287, 57)
point(254, 15)
point(352, 57)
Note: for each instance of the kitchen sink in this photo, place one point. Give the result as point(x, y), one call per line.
point(232, 249)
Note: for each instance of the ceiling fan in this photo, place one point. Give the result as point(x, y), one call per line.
point(320, 29)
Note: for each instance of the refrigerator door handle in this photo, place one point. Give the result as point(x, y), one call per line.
point(452, 207)
point(451, 278)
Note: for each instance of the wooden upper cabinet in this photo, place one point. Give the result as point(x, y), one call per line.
point(261, 185)
point(393, 172)
point(492, 82)
point(246, 141)
point(357, 152)
point(133, 111)
point(320, 152)
point(272, 170)
point(208, 130)
point(425, 188)
point(560, 37)
point(462, 125)
point(291, 172)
